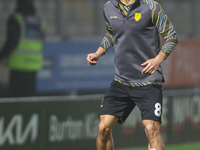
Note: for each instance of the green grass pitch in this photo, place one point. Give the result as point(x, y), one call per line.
point(184, 146)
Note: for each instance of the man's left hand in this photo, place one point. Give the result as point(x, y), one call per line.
point(153, 64)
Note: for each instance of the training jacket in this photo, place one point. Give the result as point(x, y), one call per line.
point(136, 38)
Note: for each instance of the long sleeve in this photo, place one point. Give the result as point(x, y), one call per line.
point(12, 39)
point(108, 41)
point(165, 28)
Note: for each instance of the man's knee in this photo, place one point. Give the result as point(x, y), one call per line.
point(104, 131)
point(106, 125)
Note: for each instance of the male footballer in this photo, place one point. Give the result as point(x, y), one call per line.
point(133, 28)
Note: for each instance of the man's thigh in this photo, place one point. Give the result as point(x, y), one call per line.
point(149, 99)
point(108, 121)
point(117, 102)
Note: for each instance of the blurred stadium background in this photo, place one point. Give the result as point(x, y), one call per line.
point(64, 114)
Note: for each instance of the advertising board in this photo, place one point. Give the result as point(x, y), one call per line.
point(71, 123)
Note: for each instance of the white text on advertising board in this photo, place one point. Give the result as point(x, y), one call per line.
point(14, 134)
point(71, 129)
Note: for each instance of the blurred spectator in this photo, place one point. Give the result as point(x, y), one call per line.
point(23, 48)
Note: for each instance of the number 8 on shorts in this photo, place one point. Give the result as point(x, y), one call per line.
point(157, 110)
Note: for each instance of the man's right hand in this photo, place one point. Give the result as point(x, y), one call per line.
point(93, 58)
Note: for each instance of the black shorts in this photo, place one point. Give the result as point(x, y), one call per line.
point(120, 100)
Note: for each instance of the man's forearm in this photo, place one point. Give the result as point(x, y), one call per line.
point(161, 57)
point(100, 51)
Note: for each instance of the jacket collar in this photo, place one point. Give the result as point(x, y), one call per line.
point(116, 2)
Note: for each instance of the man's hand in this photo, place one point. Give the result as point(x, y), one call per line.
point(92, 58)
point(153, 64)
